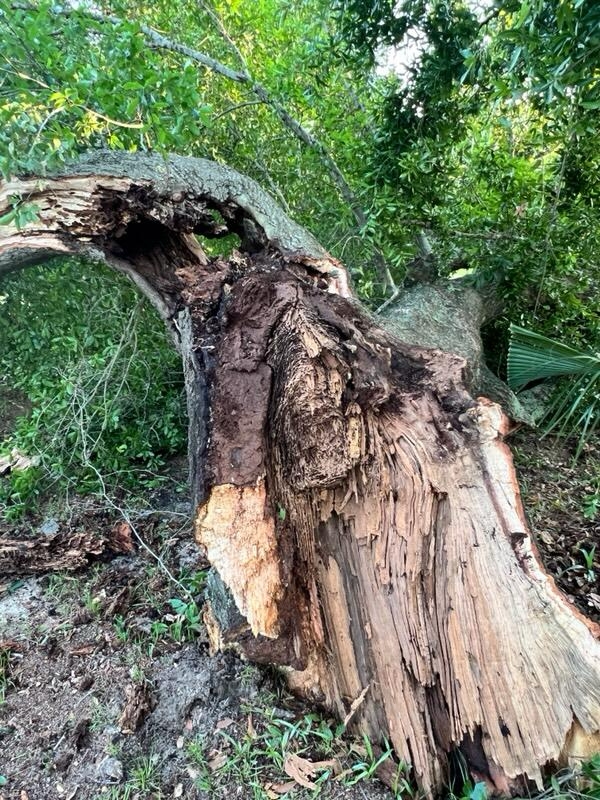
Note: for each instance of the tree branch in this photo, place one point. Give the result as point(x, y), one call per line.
point(229, 109)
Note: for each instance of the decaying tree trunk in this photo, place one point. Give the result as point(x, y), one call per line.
point(355, 498)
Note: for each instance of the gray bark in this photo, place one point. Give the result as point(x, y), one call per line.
point(448, 316)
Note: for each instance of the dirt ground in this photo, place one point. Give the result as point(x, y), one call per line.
point(108, 691)
point(556, 494)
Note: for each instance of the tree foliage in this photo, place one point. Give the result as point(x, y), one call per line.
point(105, 387)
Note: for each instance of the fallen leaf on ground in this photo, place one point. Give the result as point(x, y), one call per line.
point(85, 649)
point(281, 788)
point(9, 645)
point(594, 600)
point(301, 769)
point(217, 762)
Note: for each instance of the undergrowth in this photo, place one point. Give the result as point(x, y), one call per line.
point(104, 384)
point(277, 756)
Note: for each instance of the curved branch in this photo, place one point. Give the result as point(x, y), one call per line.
point(211, 189)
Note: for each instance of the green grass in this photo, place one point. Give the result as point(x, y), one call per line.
point(266, 753)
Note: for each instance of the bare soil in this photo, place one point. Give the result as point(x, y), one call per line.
point(103, 698)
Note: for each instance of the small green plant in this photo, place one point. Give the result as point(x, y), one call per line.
point(116, 793)
point(194, 581)
point(101, 715)
point(591, 505)
point(366, 767)
point(590, 777)
point(113, 749)
point(59, 585)
point(18, 492)
point(121, 628)
point(186, 623)
point(575, 784)
point(144, 774)
point(137, 674)
point(91, 601)
point(158, 629)
point(196, 751)
point(588, 557)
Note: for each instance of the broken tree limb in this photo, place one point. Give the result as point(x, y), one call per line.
point(358, 501)
point(66, 549)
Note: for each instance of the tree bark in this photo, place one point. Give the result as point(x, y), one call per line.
point(357, 501)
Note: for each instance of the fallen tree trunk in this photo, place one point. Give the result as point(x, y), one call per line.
point(357, 501)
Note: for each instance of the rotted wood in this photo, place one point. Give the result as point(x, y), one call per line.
point(356, 499)
point(66, 549)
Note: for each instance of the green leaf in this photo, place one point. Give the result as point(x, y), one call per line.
point(533, 357)
point(7, 218)
point(575, 407)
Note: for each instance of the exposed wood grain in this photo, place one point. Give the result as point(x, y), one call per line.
point(237, 531)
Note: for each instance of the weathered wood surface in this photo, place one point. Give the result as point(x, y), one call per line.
point(26, 553)
point(358, 502)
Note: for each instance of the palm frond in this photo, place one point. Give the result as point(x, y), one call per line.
point(532, 357)
point(574, 409)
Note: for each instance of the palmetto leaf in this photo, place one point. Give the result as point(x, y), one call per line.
point(532, 357)
point(575, 406)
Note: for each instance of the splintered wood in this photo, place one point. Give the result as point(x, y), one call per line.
point(238, 534)
point(421, 572)
point(64, 550)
